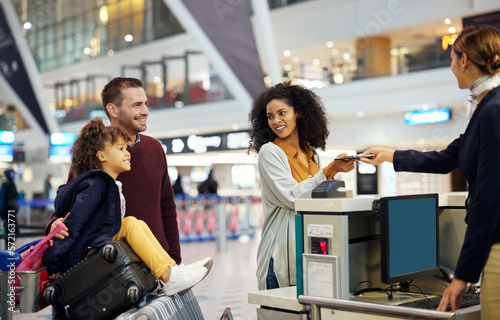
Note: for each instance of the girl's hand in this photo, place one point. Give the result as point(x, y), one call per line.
point(54, 276)
point(63, 233)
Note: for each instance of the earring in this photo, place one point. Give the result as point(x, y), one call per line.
point(462, 69)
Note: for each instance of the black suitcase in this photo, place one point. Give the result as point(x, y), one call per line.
point(101, 286)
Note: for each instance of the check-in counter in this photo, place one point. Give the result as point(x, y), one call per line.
point(351, 228)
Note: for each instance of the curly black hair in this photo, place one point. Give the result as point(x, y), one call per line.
point(93, 137)
point(311, 116)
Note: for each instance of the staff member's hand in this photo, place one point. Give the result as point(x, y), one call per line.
point(453, 295)
point(380, 155)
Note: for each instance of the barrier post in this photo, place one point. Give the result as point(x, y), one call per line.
point(221, 229)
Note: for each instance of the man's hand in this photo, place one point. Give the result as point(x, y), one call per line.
point(63, 233)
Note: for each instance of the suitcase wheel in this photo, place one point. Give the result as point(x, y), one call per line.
point(108, 253)
point(51, 295)
point(133, 294)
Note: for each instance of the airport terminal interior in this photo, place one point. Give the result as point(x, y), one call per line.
point(380, 67)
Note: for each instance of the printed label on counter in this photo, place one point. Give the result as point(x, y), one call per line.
point(320, 230)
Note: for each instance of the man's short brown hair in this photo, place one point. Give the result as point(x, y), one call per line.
point(112, 92)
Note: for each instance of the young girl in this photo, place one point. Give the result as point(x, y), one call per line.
point(287, 123)
point(97, 210)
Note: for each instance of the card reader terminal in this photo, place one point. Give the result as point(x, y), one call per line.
point(329, 189)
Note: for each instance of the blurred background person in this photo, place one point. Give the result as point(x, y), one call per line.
point(208, 186)
point(177, 186)
point(9, 196)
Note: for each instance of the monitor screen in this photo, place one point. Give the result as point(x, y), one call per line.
point(6, 146)
point(61, 144)
point(409, 237)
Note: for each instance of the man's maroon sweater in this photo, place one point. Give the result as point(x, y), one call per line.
point(148, 193)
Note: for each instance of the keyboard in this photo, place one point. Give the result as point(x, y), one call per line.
point(430, 303)
point(471, 298)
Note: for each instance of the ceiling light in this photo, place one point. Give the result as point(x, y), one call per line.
point(103, 15)
point(128, 37)
point(338, 78)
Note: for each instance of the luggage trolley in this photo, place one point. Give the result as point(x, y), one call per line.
point(21, 290)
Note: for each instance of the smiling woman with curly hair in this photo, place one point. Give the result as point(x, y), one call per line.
point(312, 122)
point(288, 122)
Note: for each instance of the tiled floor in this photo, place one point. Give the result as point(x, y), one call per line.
point(230, 280)
point(227, 285)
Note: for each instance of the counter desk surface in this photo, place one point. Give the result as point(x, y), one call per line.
point(281, 298)
point(365, 203)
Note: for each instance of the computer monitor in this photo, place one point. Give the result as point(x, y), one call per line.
point(7, 146)
point(409, 237)
point(61, 144)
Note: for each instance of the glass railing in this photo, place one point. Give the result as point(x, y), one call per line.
point(347, 66)
point(168, 83)
point(69, 110)
point(79, 99)
point(63, 33)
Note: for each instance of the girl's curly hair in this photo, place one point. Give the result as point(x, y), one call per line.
point(311, 116)
point(93, 137)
